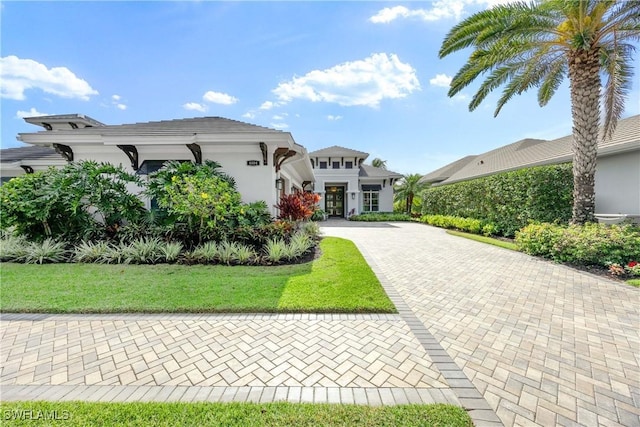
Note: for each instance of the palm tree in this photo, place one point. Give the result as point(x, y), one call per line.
point(407, 188)
point(525, 45)
point(379, 163)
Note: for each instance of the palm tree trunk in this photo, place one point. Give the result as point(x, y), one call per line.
point(584, 76)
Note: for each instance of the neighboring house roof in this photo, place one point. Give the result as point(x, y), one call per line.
point(368, 171)
point(446, 171)
point(536, 152)
point(338, 151)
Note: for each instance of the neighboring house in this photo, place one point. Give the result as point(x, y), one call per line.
point(347, 186)
point(265, 163)
point(617, 170)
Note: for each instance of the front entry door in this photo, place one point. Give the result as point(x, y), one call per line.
point(334, 201)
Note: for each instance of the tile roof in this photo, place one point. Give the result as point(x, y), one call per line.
point(534, 152)
point(448, 170)
point(368, 171)
point(9, 155)
point(190, 125)
point(336, 150)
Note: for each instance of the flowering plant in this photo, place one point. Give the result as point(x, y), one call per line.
point(633, 268)
point(616, 269)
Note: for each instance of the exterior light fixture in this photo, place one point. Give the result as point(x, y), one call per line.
point(280, 184)
point(353, 196)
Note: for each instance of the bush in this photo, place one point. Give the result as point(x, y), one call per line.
point(80, 201)
point(380, 216)
point(275, 250)
point(469, 225)
point(206, 253)
point(98, 252)
point(47, 251)
point(589, 244)
point(298, 206)
point(507, 200)
point(12, 247)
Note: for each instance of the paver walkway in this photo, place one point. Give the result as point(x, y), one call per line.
point(546, 345)
point(543, 344)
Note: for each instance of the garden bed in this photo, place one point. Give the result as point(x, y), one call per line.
point(338, 281)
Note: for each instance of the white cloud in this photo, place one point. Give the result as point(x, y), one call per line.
point(115, 97)
point(441, 80)
point(279, 125)
point(249, 115)
point(31, 113)
point(280, 116)
point(332, 118)
point(121, 106)
point(441, 9)
point(268, 105)
point(219, 98)
point(18, 75)
point(363, 82)
point(194, 106)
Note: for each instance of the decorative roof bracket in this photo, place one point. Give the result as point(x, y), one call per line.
point(280, 155)
point(27, 169)
point(263, 148)
point(132, 153)
point(65, 151)
point(196, 151)
point(305, 183)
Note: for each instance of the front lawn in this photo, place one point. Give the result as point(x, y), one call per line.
point(230, 414)
point(340, 281)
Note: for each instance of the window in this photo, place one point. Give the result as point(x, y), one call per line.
point(370, 201)
point(348, 165)
point(336, 165)
point(323, 165)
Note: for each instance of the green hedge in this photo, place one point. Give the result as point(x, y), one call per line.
point(380, 216)
point(590, 244)
point(469, 225)
point(508, 200)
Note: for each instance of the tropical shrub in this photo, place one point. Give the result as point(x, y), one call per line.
point(589, 244)
point(47, 251)
point(275, 250)
point(298, 206)
point(79, 201)
point(12, 247)
point(469, 225)
point(171, 251)
point(205, 253)
point(507, 200)
point(97, 252)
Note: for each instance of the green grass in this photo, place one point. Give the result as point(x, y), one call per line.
point(232, 414)
point(634, 282)
point(485, 239)
point(340, 281)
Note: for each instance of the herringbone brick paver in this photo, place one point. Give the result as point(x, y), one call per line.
point(226, 353)
point(545, 344)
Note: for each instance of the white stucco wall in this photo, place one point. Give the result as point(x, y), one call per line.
point(618, 184)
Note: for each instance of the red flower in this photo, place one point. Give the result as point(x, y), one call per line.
point(632, 263)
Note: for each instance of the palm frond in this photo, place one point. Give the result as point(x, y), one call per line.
point(616, 64)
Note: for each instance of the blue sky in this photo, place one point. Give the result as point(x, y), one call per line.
point(363, 75)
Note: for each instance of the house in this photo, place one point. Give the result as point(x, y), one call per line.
point(617, 180)
point(347, 186)
point(265, 163)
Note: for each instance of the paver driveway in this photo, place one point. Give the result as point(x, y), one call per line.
point(545, 345)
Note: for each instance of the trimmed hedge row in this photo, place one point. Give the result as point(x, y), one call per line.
point(589, 244)
point(380, 216)
point(508, 200)
point(469, 225)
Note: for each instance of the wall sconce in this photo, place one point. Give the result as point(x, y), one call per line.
point(353, 196)
point(279, 184)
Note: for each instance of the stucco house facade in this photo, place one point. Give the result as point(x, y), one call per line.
point(265, 163)
point(617, 180)
point(349, 187)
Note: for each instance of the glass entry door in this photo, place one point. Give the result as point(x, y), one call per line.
point(334, 201)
